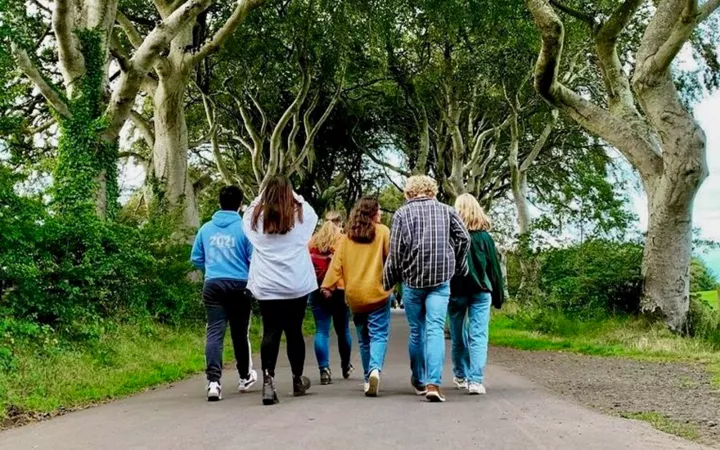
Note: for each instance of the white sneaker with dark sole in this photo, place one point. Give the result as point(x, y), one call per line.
point(214, 391)
point(245, 384)
point(460, 383)
point(476, 389)
point(373, 384)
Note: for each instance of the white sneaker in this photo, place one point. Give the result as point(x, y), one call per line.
point(460, 383)
point(373, 384)
point(476, 389)
point(214, 391)
point(366, 387)
point(245, 384)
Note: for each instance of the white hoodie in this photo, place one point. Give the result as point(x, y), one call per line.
point(281, 267)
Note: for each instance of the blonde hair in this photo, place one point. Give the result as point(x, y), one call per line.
point(325, 238)
point(472, 213)
point(420, 186)
point(333, 216)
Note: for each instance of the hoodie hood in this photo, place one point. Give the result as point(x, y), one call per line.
point(224, 218)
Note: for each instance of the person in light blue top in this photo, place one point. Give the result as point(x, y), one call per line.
point(223, 252)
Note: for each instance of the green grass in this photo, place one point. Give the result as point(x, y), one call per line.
point(127, 360)
point(712, 297)
point(121, 362)
point(613, 336)
point(662, 423)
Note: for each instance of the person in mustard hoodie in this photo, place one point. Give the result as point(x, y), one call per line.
point(358, 261)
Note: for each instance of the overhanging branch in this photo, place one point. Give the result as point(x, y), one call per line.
point(576, 13)
point(242, 9)
point(142, 62)
point(131, 32)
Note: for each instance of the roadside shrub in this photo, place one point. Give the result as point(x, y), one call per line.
point(592, 277)
point(70, 273)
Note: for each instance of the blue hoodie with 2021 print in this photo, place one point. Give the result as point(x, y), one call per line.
point(221, 249)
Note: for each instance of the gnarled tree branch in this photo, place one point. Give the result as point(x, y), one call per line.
point(242, 9)
point(144, 127)
point(613, 129)
point(142, 62)
point(50, 93)
point(131, 32)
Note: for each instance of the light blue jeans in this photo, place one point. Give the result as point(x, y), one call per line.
point(426, 309)
point(373, 331)
point(326, 311)
point(470, 337)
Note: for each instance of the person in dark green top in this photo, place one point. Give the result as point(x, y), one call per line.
point(471, 296)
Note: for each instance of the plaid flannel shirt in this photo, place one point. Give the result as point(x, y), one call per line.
point(428, 245)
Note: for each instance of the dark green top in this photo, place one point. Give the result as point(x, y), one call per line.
point(484, 274)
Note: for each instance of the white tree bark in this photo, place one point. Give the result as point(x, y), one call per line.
point(664, 144)
point(170, 162)
point(170, 149)
point(69, 19)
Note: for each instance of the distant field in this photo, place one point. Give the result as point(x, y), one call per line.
point(711, 297)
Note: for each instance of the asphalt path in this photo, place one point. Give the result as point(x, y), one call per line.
point(515, 414)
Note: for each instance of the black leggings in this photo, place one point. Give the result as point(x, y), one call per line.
point(280, 316)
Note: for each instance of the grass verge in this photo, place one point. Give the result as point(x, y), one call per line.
point(50, 380)
point(662, 423)
point(626, 337)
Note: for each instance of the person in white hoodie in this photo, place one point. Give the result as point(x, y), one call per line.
point(279, 225)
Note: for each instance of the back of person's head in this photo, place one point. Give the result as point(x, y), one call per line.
point(471, 213)
point(231, 197)
point(334, 217)
point(278, 207)
point(419, 186)
point(362, 220)
point(325, 238)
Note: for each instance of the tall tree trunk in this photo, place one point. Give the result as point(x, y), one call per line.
point(666, 265)
point(665, 145)
point(174, 188)
point(666, 262)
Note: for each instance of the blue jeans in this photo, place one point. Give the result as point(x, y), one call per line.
point(373, 331)
point(426, 309)
point(332, 310)
point(470, 339)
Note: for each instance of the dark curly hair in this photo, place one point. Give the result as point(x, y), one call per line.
point(361, 224)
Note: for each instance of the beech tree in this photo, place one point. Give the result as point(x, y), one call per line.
point(89, 116)
point(167, 132)
point(645, 119)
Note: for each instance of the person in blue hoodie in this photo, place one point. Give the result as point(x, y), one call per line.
point(222, 252)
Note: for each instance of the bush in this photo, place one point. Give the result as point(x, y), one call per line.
point(71, 273)
point(701, 277)
point(592, 277)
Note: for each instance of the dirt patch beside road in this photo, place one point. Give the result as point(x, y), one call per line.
point(678, 398)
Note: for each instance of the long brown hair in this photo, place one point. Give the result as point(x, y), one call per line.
point(277, 207)
point(361, 224)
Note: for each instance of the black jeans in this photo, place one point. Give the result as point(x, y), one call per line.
point(226, 301)
point(280, 316)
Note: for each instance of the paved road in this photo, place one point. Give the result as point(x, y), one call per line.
point(516, 414)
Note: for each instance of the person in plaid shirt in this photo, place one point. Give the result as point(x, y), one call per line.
point(428, 245)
